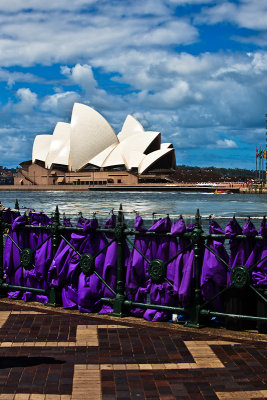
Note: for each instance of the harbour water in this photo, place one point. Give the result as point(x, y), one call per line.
point(146, 203)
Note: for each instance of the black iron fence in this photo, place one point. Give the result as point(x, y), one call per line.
point(154, 273)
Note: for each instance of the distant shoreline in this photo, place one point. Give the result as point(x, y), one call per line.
point(232, 187)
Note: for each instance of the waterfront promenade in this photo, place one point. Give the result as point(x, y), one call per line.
point(234, 187)
point(194, 187)
point(55, 354)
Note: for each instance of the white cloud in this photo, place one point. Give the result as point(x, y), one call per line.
point(251, 14)
point(48, 36)
point(173, 32)
point(81, 75)
point(28, 100)
point(135, 59)
point(59, 103)
point(226, 144)
point(69, 5)
point(185, 2)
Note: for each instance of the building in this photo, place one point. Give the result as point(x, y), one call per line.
point(87, 151)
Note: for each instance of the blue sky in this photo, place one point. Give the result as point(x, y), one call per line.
point(195, 70)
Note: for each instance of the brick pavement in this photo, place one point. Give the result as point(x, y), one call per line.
point(55, 354)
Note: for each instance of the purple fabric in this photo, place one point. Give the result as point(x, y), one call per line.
point(214, 272)
point(9, 215)
point(180, 244)
point(159, 249)
point(90, 288)
point(81, 222)
point(11, 264)
point(137, 267)
point(186, 284)
point(77, 288)
point(239, 301)
point(64, 271)
point(240, 249)
point(67, 222)
point(259, 273)
point(37, 277)
point(110, 265)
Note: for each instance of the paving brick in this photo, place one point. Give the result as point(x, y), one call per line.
point(64, 355)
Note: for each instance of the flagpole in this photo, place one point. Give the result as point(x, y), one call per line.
point(266, 152)
point(259, 172)
point(261, 166)
point(257, 162)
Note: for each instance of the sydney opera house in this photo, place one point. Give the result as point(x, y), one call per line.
point(87, 151)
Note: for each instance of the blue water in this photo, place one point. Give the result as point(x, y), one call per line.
point(173, 203)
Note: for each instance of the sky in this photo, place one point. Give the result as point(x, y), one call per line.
point(194, 70)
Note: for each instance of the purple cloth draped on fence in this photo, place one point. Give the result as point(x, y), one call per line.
point(11, 263)
point(184, 282)
point(90, 288)
point(240, 249)
point(78, 290)
point(259, 273)
point(110, 264)
point(158, 249)
point(214, 271)
point(239, 301)
point(63, 272)
point(37, 277)
point(9, 215)
point(137, 269)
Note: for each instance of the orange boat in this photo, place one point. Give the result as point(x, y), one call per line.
point(218, 191)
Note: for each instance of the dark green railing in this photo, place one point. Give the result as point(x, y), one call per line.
point(198, 313)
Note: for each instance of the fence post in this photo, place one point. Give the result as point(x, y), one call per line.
point(198, 243)
point(54, 298)
point(2, 227)
point(118, 305)
point(16, 204)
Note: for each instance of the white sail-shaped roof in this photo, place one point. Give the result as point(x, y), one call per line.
point(40, 147)
point(90, 134)
point(115, 158)
point(151, 158)
point(59, 146)
point(89, 139)
point(100, 158)
point(139, 142)
point(166, 146)
point(130, 127)
point(134, 160)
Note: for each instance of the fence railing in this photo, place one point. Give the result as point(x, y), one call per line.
point(154, 273)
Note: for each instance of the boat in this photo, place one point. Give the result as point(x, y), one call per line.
point(222, 191)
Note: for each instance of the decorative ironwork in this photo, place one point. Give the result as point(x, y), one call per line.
point(27, 259)
point(195, 311)
point(156, 271)
point(87, 264)
point(240, 277)
point(118, 233)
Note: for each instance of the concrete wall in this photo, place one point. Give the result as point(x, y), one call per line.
point(37, 175)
